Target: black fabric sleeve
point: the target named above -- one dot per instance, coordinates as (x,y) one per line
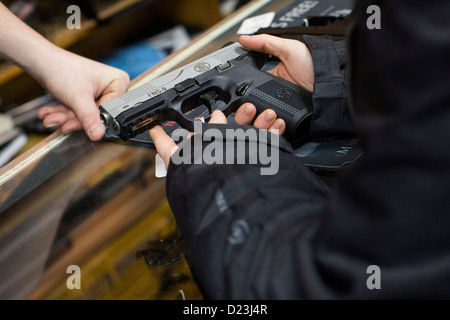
(286,236)
(240,225)
(331,115)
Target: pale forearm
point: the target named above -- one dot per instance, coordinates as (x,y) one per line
(24,46)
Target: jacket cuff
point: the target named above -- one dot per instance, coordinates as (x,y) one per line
(331,114)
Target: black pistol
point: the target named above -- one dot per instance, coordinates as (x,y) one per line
(224,87)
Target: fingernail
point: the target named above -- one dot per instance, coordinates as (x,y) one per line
(269,116)
(51,126)
(248,110)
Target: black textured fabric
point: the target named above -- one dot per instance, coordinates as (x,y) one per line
(299,240)
(330,107)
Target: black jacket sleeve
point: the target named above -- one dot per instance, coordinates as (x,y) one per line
(331,115)
(287,236)
(239,225)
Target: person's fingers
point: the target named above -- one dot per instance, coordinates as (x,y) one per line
(218,117)
(266,119)
(164,144)
(88,113)
(276,46)
(245,114)
(58,119)
(296,61)
(115,88)
(47,110)
(60,116)
(71,126)
(278,127)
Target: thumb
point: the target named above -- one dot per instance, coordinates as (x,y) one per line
(276,46)
(88,113)
(117,87)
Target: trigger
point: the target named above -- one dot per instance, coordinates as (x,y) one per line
(209,100)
